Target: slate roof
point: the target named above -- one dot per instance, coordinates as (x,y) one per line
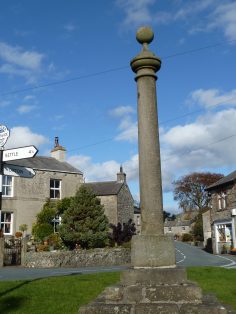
(227,179)
(105,188)
(45,163)
(174,223)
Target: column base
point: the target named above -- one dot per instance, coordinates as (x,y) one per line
(152,251)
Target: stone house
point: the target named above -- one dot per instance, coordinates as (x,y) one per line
(23,198)
(177,227)
(55,179)
(116,198)
(222,215)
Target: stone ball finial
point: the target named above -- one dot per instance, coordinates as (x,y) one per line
(144,35)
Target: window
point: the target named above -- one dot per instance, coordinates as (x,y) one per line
(138,221)
(222,201)
(6,222)
(55,189)
(7,186)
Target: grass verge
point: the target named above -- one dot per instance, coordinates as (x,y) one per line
(220,281)
(64,295)
(57,295)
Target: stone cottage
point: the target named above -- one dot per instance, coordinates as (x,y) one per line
(116,198)
(55,179)
(177,227)
(222,215)
(23,198)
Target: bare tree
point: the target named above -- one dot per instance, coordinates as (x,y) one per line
(190,190)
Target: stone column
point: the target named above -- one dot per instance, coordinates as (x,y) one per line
(152,248)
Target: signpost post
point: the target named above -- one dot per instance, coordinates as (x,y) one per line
(4,134)
(10,155)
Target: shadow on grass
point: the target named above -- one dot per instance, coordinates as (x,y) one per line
(8,304)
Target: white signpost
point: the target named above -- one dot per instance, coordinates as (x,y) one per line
(18,171)
(19,153)
(10,155)
(4,134)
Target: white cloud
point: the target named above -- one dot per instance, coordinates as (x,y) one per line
(23,136)
(70,27)
(121,110)
(213,97)
(129,133)
(127,126)
(206,144)
(224,17)
(136,11)
(16,55)
(26,108)
(105,171)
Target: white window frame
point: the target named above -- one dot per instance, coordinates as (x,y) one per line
(6,186)
(222,204)
(4,222)
(54,189)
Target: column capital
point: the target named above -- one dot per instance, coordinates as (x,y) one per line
(146,63)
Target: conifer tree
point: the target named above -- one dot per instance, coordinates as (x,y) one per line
(84,222)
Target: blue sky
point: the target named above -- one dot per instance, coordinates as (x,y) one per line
(85,47)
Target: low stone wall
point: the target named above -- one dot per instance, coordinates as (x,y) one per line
(77,258)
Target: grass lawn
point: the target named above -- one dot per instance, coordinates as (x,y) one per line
(64,295)
(220,281)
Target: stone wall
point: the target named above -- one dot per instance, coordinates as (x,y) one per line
(110,207)
(125,205)
(78,258)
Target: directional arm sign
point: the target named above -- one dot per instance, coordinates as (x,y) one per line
(18,171)
(19,153)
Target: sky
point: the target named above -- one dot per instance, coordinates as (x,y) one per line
(65,71)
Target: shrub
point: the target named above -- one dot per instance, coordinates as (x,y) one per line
(84,222)
(121,234)
(187,237)
(23,228)
(42,231)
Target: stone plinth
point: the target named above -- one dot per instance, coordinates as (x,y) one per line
(153,291)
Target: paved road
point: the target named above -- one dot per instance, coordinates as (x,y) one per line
(21,273)
(186,255)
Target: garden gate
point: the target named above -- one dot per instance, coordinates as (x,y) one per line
(12,251)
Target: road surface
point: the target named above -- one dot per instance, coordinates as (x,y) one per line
(186,255)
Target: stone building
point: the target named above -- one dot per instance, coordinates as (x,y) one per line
(23,198)
(55,179)
(222,214)
(116,198)
(177,227)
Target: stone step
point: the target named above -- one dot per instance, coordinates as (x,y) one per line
(166,308)
(152,294)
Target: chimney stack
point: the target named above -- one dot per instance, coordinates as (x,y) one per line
(58,152)
(121,176)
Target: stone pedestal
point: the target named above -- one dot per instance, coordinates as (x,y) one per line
(153,291)
(152,251)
